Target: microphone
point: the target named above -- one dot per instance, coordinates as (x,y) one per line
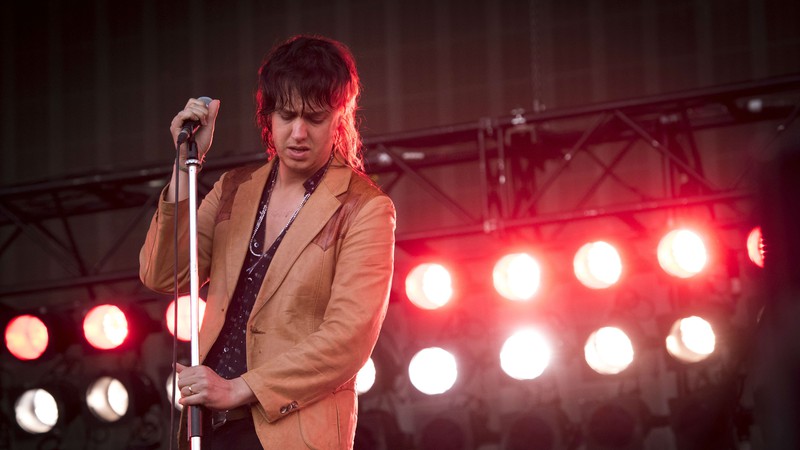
(190,126)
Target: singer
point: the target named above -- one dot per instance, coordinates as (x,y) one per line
(298,253)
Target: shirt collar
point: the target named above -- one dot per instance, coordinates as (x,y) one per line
(312,183)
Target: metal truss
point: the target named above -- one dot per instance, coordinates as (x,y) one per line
(518,158)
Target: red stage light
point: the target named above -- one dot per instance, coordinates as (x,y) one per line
(429,286)
(682,253)
(105,327)
(755,247)
(26,337)
(184,317)
(597,265)
(517,276)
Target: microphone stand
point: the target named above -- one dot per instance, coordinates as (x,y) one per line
(195,415)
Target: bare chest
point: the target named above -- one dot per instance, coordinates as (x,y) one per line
(281,210)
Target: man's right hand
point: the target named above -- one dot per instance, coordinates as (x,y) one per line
(207,116)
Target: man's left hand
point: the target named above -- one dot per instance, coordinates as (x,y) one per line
(199,385)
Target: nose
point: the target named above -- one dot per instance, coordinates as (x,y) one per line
(299,130)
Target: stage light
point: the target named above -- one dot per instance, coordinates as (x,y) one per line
(26,337)
(122,395)
(525,355)
(682,253)
(169,386)
(36,411)
(184,317)
(517,276)
(755,247)
(691,339)
(609,351)
(105,327)
(597,265)
(365,378)
(107,399)
(433,370)
(429,286)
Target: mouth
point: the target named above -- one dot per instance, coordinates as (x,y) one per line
(297,151)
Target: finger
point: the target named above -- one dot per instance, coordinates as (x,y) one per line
(179,367)
(181,118)
(194,102)
(195,105)
(200,110)
(190,395)
(190,400)
(196,113)
(213,110)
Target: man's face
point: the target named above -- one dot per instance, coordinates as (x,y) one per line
(303,137)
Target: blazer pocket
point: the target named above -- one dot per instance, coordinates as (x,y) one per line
(319,424)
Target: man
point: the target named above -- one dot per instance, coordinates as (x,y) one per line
(298,254)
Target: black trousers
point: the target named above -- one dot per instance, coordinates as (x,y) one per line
(236,435)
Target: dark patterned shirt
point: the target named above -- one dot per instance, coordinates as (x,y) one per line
(228,357)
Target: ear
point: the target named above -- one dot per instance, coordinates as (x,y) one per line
(337,129)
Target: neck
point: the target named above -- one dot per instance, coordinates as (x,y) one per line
(291,189)
(290,179)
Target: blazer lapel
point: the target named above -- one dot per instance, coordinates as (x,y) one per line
(317,211)
(245,207)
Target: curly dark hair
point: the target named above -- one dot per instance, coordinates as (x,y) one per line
(322,72)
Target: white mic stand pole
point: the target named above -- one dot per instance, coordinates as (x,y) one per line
(195,417)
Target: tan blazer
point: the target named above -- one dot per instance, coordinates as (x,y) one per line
(318,313)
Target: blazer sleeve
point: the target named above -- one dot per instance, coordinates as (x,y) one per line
(329,357)
(157,255)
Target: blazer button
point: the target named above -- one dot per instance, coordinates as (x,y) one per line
(285,409)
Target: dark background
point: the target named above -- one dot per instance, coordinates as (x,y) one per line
(92,85)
